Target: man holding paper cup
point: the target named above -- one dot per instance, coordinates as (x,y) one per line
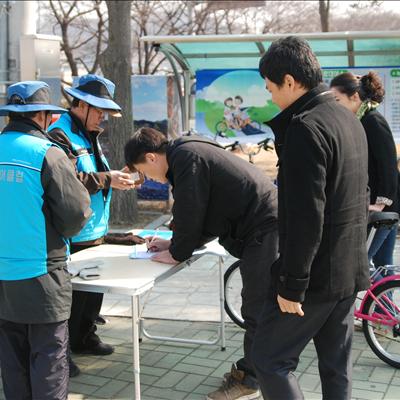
(77,133)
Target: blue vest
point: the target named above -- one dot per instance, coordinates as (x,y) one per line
(23,245)
(97,226)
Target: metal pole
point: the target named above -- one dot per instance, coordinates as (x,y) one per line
(135,345)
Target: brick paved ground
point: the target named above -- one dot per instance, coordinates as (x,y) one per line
(178,371)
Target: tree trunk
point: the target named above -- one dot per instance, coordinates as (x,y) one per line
(115,63)
(324,14)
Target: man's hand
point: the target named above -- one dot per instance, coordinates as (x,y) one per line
(157,244)
(121,180)
(376,207)
(291,307)
(164,257)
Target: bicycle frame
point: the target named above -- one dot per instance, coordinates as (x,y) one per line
(389,320)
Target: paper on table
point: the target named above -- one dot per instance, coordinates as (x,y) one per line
(140,252)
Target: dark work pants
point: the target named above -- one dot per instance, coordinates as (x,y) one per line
(33,360)
(255,269)
(84,311)
(281,337)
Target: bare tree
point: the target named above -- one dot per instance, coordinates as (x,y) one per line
(115,62)
(81,25)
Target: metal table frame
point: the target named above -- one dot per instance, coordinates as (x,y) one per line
(137,321)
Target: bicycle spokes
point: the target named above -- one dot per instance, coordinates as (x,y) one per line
(381,321)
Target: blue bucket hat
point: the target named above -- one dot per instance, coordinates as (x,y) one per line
(96,91)
(29,96)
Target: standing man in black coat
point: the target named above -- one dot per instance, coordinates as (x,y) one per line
(322,209)
(216,194)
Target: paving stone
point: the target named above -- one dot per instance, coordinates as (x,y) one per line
(89,379)
(152,358)
(203,353)
(182,349)
(194,396)
(170,360)
(153,370)
(81,388)
(309,382)
(222,369)
(393,393)
(204,389)
(189,383)
(110,389)
(170,379)
(194,369)
(166,394)
(382,375)
(144,378)
(115,369)
(201,361)
(367,394)
(372,386)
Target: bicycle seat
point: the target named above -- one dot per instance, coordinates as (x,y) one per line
(383,218)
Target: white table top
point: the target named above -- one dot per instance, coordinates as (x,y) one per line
(122,275)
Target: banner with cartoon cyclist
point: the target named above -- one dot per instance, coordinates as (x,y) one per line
(233,104)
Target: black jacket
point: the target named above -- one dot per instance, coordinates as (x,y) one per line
(382,159)
(216,194)
(322,199)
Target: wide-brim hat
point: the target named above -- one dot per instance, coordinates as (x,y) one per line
(29,96)
(96,91)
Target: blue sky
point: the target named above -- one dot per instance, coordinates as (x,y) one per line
(149,97)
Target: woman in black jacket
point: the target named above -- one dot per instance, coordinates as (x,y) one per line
(362,95)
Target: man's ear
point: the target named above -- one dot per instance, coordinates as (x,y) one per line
(289,81)
(150,157)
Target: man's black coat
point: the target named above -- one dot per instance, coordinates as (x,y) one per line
(322,199)
(216,194)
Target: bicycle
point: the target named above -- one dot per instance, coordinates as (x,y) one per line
(379,309)
(251,149)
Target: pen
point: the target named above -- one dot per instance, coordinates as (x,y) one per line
(152,239)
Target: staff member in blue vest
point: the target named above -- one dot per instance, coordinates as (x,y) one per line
(77,132)
(43,204)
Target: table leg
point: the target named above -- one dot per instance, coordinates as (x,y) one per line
(222,301)
(135,345)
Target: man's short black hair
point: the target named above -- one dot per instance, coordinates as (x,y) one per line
(15,116)
(75,102)
(239,98)
(145,140)
(291,55)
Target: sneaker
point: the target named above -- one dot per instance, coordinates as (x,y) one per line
(233,388)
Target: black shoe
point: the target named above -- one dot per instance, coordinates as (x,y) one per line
(100,320)
(97,349)
(73,369)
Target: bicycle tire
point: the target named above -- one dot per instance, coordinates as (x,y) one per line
(229,308)
(221,127)
(371,332)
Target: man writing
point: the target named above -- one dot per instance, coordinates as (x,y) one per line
(216,194)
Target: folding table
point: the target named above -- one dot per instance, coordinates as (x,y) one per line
(132,277)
